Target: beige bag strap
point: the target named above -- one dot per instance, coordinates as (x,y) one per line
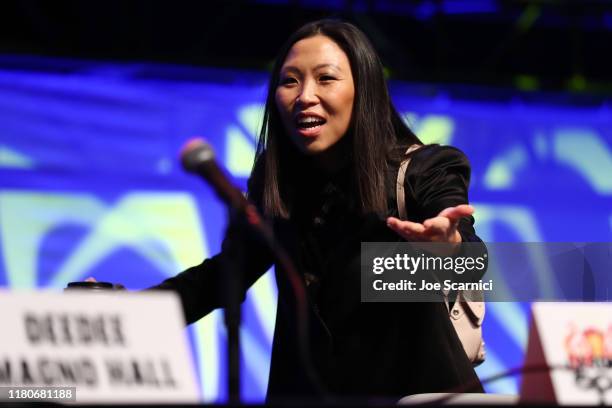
(399,188)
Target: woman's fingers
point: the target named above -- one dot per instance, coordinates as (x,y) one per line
(457,212)
(437,224)
(437,229)
(409,229)
(406,229)
(441,229)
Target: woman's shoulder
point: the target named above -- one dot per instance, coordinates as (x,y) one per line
(433,155)
(431,162)
(437,177)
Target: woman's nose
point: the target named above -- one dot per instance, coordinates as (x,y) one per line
(308,94)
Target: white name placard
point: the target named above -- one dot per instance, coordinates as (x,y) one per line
(576,338)
(112,347)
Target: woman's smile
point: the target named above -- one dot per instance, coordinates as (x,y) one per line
(309,124)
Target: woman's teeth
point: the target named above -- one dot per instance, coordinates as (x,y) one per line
(306,123)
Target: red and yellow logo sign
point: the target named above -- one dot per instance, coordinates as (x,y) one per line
(589,347)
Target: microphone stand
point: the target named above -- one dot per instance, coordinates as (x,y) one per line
(233,265)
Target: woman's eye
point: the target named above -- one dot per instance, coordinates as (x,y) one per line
(288,81)
(326,78)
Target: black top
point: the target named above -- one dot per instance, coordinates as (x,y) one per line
(359,349)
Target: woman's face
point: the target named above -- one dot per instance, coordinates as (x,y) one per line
(315,94)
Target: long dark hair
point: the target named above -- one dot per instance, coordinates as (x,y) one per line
(377,133)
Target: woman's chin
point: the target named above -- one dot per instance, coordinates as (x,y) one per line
(322,143)
(313,147)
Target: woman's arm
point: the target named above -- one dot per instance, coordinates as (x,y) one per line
(436,188)
(436,196)
(200,287)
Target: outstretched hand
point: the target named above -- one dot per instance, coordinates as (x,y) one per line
(441,228)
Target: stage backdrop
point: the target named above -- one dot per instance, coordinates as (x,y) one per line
(90,184)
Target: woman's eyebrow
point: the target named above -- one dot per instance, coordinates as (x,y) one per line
(289,68)
(292,68)
(327,65)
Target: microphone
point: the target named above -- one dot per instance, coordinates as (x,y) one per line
(198,157)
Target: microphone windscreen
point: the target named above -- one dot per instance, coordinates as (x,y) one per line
(195,153)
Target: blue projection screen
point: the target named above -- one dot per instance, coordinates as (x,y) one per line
(91,186)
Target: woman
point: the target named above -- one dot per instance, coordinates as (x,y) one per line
(324,172)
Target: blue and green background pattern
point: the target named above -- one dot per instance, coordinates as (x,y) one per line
(90,183)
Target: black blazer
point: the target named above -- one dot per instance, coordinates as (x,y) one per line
(358,349)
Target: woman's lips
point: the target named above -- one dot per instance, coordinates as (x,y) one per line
(311,131)
(303,123)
